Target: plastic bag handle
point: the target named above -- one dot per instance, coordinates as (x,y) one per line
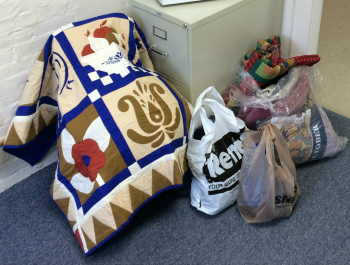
(282,148)
(207,124)
(269,151)
(196,111)
(209,93)
(260,149)
(212,99)
(277,135)
(221,112)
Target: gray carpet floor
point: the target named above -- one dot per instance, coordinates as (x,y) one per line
(168,230)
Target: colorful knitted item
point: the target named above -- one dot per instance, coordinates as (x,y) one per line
(264,63)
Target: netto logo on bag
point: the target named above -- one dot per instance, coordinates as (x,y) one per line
(285,199)
(223,163)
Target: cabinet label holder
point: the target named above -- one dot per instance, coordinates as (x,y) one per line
(160,33)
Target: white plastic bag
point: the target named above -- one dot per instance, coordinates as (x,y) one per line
(215,158)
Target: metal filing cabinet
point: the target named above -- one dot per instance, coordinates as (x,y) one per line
(200,44)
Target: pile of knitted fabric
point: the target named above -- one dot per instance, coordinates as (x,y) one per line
(267,89)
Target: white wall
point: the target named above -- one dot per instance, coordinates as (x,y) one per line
(287,28)
(306,27)
(300,27)
(25,26)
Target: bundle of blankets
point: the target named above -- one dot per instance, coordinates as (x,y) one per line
(268,89)
(121,130)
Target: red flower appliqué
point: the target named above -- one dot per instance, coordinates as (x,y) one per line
(87,156)
(89,159)
(103,32)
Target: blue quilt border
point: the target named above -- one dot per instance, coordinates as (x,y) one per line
(83,22)
(48,134)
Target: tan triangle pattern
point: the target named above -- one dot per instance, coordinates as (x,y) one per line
(47,114)
(53,120)
(71,212)
(22,129)
(31,133)
(58,193)
(102,231)
(120,215)
(88,242)
(159,182)
(177,174)
(166,169)
(137,197)
(72,223)
(144,183)
(63,204)
(41,123)
(185,165)
(41,57)
(13,138)
(36,123)
(122,199)
(89,228)
(105,216)
(28,104)
(183,162)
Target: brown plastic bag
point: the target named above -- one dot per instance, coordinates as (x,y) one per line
(267,186)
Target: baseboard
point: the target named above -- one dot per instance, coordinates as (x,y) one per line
(14,170)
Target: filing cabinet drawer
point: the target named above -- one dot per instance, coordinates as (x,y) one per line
(165,38)
(179,87)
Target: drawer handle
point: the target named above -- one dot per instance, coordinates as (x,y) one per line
(165,54)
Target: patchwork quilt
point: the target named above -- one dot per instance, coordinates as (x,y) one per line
(264,62)
(121,129)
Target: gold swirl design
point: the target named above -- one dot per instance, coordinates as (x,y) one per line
(149,100)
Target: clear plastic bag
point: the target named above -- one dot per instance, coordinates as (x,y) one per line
(286,97)
(309,134)
(290,105)
(267,187)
